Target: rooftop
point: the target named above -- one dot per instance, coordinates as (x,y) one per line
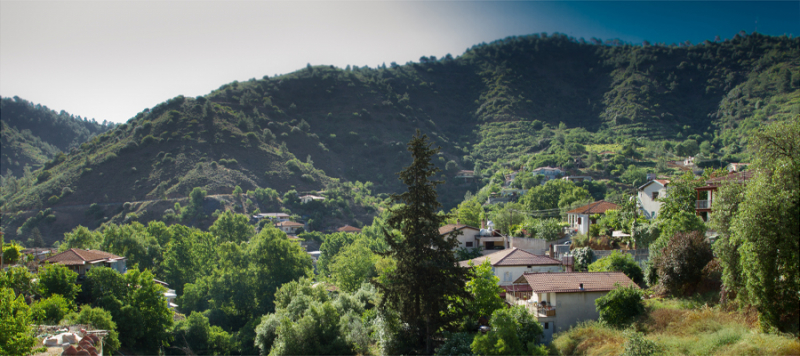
(348,228)
(570,282)
(76,256)
(598,207)
(455,227)
(289,224)
(512,257)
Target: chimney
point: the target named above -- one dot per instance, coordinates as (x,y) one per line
(483,224)
(458,221)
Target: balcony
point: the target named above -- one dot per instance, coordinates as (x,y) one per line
(703,204)
(537,309)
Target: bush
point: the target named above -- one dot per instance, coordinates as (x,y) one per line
(619,262)
(51,310)
(11,253)
(680,264)
(620,306)
(98,318)
(456,344)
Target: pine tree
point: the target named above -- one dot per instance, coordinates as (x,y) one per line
(427,278)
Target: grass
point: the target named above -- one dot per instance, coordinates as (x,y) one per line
(682,327)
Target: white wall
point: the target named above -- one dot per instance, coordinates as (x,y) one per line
(468,235)
(646,197)
(583,226)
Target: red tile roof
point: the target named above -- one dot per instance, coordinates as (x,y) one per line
(663,182)
(569,282)
(512,257)
(598,207)
(76,256)
(348,228)
(455,227)
(288,224)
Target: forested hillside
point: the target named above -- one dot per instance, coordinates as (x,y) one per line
(530,100)
(33,134)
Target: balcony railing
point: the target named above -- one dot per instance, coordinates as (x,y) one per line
(703,204)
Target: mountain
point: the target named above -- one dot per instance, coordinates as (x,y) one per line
(33,134)
(529,100)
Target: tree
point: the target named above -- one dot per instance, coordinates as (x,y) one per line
(620,306)
(485,291)
(316,333)
(51,310)
(583,257)
(354,265)
(421,251)
(134,242)
(58,279)
(727,200)
(555,193)
(767,227)
(469,213)
(100,319)
(19,279)
(16,334)
(82,238)
(202,338)
(11,253)
(680,264)
(232,227)
(619,262)
(510,215)
(514,331)
(330,248)
(146,330)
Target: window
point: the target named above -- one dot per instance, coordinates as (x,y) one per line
(655,195)
(546,325)
(579,220)
(507,277)
(469,243)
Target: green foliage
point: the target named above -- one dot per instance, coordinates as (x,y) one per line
(637,345)
(485,291)
(767,228)
(547,229)
(99,319)
(134,242)
(232,227)
(619,262)
(353,265)
(469,213)
(330,248)
(513,331)
(554,194)
(19,280)
(51,310)
(316,333)
(421,250)
(11,253)
(16,333)
(680,264)
(58,279)
(620,306)
(459,344)
(197,334)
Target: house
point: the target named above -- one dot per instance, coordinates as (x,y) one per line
(39,253)
(169,294)
(472,237)
(272,216)
(562,300)
(577,179)
(467,176)
(703,206)
(510,264)
(579,218)
(289,227)
(549,173)
(505,195)
(648,195)
(736,167)
(309,198)
(348,229)
(82,261)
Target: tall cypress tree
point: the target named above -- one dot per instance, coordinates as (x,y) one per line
(427,278)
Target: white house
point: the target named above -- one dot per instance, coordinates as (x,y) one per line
(736,167)
(309,198)
(81,261)
(289,227)
(649,193)
(510,264)
(562,300)
(549,173)
(580,218)
(472,237)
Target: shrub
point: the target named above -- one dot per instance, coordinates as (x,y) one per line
(680,264)
(294,165)
(620,306)
(637,345)
(456,344)
(11,253)
(619,262)
(51,310)
(53,199)
(43,176)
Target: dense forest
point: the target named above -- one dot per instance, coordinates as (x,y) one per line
(33,134)
(590,107)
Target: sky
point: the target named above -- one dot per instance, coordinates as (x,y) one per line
(108,60)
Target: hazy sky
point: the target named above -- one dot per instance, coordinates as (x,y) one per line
(109,60)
